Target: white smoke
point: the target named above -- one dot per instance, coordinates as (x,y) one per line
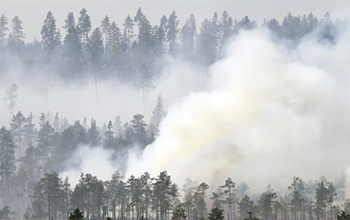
(94,160)
(41,91)
(271,113)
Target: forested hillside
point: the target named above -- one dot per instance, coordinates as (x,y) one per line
(36,149)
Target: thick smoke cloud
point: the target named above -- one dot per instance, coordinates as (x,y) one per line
(271,112)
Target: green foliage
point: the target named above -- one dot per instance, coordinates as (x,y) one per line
(50,35)
(216,214)
(251,216)
(343,216)
(76,215)
(5,213)
(179,213)
(245,206)
(7,162)
(95,50)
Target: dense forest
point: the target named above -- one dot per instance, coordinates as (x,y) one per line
(33,155)
(134,51)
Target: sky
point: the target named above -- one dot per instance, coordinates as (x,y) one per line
(33,13)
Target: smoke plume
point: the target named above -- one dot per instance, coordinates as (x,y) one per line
(271,112)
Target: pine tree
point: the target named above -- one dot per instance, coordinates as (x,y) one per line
(31,165)
(172,33)
(73,54)
(188,37)
(52,190)
(11,97)
(7,162)
(125,60)
(242,190)
(179,213)
(84,28)
(274,26)
(321,200)
(17,131)
(76,215)
(206,48)
(110,141)
(199,200)
(229,191)
(112,187)
(95,51)
(17,36)
(49,35)
(105,29)
(158,114)
(114,43)
(5,213)
(245,206)
(93,134)
(139,128)
(56,122)
(216,198)
(245,23)
(39,210)
(216,214)
(189,188)
(343,216)
(118,127)
(162,195)
(226,26)
(331,192)
(89,194)
(128,32)
(265,202)
(297,188)
(215,28)
(160,37)
(144,54)
(66,197)
(29,131)
(3,30)
(45,146)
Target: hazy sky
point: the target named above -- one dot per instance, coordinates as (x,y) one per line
(33,12)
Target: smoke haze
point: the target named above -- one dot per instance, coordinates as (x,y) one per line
(271,112)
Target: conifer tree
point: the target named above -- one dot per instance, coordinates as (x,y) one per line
(11,97)
(95,51)
(76,215)
(7,162)
(73,53)
(110,141)
(188,38)
(3,30)
(17,36)
(179,213)
(93,134)
(49,35)
(18,132)
(216,214)
(172,33)
(84,28)
(139,128)
(105,29)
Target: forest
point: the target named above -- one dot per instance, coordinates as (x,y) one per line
(135,52)
(35,151)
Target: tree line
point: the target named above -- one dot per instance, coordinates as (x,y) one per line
(29,150)
(133,51)
(32,156)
